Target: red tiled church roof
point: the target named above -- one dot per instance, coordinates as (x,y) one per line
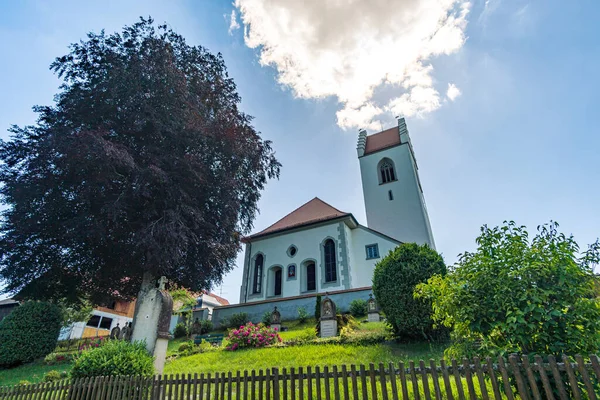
(314,211)
(382,140)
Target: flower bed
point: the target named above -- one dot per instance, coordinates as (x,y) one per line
(251,335)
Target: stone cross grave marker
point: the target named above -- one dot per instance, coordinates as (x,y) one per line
(328,318)
(373,309)
(276,320)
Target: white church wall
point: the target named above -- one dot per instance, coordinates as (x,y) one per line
(404,218)
(361,267)
(275,252)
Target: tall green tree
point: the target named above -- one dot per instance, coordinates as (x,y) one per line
(516,294)
(144,164)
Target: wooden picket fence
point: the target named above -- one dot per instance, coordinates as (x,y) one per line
(516,378)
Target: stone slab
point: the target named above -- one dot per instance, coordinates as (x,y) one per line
(328,328)
(373,317)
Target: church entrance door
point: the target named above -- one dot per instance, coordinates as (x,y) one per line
(278,275)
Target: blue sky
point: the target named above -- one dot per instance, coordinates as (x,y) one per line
(519,140)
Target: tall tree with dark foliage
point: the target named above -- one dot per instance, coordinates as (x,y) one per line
(145,165)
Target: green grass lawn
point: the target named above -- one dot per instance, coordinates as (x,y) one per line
(33,372)
(283,357)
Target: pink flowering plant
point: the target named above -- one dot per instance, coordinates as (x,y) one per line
(251,335)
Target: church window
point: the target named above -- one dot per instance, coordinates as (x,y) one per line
(311,277)
(372,251)
(94,321)
(277,288)
(292,250)
(105,323)
(390,195)
(330,261)
(258,266)
(386,171)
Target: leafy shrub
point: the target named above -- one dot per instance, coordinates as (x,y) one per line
(521,295)
(266,318)
(52,376)
(394,281)
(57,358)
(237,320)
(358,308)
(205,326)
(24,382)
(92,344)
(251,335)
(363,338)
(180,331)
(346,321)
(183,347)
(318,308)
(115,357)
(29,332)
(302,315)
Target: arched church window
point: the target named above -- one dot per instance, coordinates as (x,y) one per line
(330,261)
(386,171)
(258,266)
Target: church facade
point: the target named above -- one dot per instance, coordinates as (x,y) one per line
(318,249)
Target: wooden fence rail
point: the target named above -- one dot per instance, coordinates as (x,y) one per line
(515,378)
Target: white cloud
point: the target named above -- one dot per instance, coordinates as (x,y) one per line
(233,23)
(350,48)
(453,92)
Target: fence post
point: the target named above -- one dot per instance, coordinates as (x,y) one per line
(539,363)
(492,375)
(519,378)
(572,378)
(275,384)
(434,378)
(354,382)
(480,378)
(586,377)
(469,376)
(393,381)
(415,382)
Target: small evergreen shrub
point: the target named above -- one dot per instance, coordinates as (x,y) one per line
(183,347)
(180,331)
(237,320)
(358,308)
(205,326)
(266,318)
(52,376)
(318,308)
(29,332)
(57,358)
(251,335)
(302,315)
(115,357)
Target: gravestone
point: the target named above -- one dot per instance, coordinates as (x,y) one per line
(276,320)
(153,318)
(115,333)
(373,309)
(328,318)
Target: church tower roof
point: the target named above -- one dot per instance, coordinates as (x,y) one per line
(309,213)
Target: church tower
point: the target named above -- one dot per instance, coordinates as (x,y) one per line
(392,190)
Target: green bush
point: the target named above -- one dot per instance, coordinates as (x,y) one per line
(57,358)
(205,326)
(180,331)
(358,308)
(183,347)
(29,332)
(237,320)
(52,376)
(115,357)
(394,281)
(517,294)
(266,318)
(302,315)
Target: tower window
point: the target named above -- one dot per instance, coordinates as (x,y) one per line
(330,261)
(372,251)
(390,195)
(386,171)
(258,266)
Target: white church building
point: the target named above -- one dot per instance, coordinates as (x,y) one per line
(318,249)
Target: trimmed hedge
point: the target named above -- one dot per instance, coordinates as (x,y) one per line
(115,357)
(29,332)
(394,281)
